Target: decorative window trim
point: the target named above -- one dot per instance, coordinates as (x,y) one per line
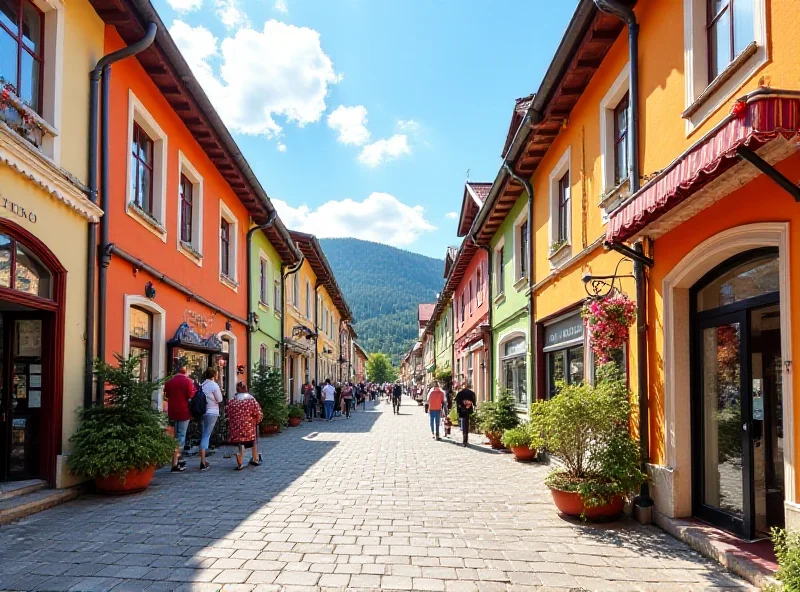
(232,359)
(564,252)
(262,256)
(155,224)
(703,96)
(608,104)
(226,214)
(498,248)
(159,351)
(502,339)
(479,285)
(193,250)
(517,257)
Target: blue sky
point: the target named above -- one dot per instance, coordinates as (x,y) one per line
(362,117)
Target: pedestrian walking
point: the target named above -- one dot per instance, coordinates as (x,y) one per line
(397,393)
(435,402)
(329,394)
(213,396)
(178,391)
(347,398)
(465,404)
(308,399)
(244,415)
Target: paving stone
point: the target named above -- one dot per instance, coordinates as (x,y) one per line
(345,510)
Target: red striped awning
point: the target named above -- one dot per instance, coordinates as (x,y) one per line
(754,121)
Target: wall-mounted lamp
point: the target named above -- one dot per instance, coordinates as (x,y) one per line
(252,322)
(150,290)
(600,286)
(228,325)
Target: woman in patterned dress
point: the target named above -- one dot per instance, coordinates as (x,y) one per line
(244,415)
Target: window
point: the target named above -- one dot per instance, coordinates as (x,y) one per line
(23,271)
(277,295)
(225,247)
(621,141)
(190,210)
(470,297)
(141,340)
(262,358)
(730,29)
(479,285)
(277,360)
(565,365)
(618,356)
(296,291)
(514,369)
(469,370)
(186,190)
(563,209)
(523,250)
(263,283)
(21,49)
(308,299)
(501,272)
(142,152)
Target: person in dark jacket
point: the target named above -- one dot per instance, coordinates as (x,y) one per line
(465,405)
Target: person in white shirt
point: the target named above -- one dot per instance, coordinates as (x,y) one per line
(213,398)
(329,394)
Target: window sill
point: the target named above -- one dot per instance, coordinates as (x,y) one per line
(720,80)
(262,306)
(277,314)
(560,256)
(190,253)
(146,220)
(521,283)
(612,198)
(499,299)
(25,122)
(230,282)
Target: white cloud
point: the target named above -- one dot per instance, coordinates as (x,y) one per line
(185,5)
(380,217)
(230,13)
(280,70)
(452,215)
(280,6)
(281,147)
(408,125)
(351,123)
(384,150)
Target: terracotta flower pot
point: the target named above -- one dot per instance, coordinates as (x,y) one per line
(268,430)
(571,504)
(496,440)
(523,453)
(294,422)
(134,481)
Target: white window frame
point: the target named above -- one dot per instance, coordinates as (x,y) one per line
(520,281)
(139,114)
(194,251)
(561,168)
(308,300)
(296,292)
(53,77)
(226,214)
(479,285)
(498,260)
(612,193)
(277,289)
(159,338)
(263,257)
(232,359)
(704,96)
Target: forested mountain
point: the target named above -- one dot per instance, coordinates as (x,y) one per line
(383,286)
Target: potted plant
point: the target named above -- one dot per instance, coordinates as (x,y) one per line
(495,417)
(523,442)
(122,439)
(587,428)
(296,415)
(267,388)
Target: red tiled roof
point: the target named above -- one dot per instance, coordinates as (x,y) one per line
(481,190)
(425,312)
(521,107)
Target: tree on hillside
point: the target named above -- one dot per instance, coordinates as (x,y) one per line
(380,369)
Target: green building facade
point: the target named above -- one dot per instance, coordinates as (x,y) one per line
(265,301)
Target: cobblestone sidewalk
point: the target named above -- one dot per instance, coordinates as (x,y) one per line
(366,503)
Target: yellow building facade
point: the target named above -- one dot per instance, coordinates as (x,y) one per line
(300,336)
(45,217)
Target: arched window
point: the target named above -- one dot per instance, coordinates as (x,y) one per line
(141,340)
(263,355)
(23,271)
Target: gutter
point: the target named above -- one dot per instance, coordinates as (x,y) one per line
(250,312)
(643,503)
(102,71)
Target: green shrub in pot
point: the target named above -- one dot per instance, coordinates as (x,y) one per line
(588,428)
(522,437)
(124,432)
(296,412)
(267,389)
(499,415)
(787,550)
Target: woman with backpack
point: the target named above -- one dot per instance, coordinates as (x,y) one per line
(213,396)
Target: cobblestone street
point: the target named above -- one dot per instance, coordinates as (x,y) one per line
(367,503)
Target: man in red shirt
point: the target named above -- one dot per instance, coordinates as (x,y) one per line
(178,391)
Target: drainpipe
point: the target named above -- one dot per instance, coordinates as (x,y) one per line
(643,502)
(531,321)
(103,71)
(286,272)
(316,331)
(250,311)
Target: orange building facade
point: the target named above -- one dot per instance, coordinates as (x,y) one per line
(713,208)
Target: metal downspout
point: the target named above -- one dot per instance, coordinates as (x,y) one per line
(103,70)
(626,13)
(531,320)
(316,332)
(250,311)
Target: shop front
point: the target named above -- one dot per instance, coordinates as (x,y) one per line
(512,361)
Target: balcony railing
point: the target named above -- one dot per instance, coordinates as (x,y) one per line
(22,120)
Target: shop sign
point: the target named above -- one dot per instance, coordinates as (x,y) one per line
(565,331)
(18,210)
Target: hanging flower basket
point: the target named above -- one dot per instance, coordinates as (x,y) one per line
(608,320)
